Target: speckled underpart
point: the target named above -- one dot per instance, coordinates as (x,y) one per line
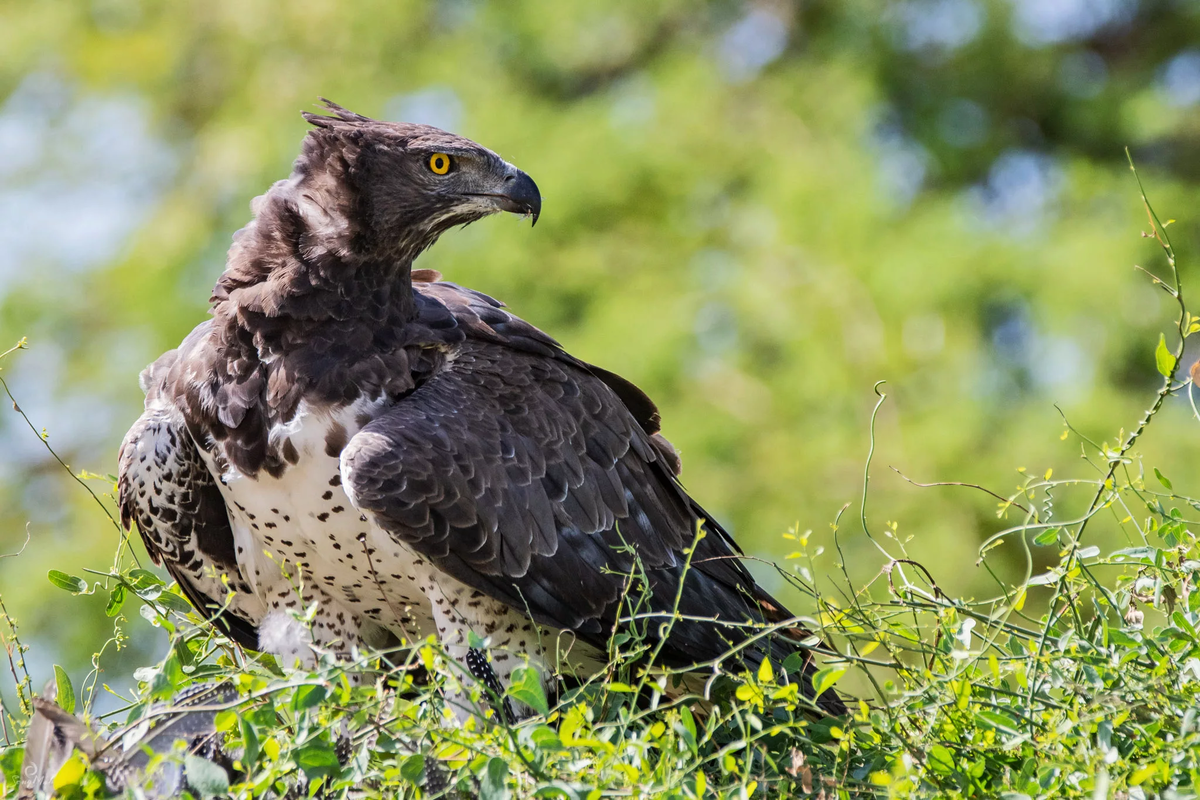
(300,540)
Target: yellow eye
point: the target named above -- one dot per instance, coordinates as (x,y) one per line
(439,163)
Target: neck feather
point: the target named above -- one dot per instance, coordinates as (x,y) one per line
(302,261)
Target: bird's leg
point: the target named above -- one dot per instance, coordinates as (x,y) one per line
(481,670)
(514,640)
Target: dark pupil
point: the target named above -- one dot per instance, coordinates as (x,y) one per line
(439,162)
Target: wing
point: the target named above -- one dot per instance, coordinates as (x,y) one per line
(165,487)
(526,476)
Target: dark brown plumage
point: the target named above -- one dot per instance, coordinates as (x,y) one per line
(425,462)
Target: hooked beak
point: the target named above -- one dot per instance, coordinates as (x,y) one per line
(518,195)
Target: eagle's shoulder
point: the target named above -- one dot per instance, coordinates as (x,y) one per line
(482,317)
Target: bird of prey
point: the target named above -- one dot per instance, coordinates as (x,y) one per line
(349,432)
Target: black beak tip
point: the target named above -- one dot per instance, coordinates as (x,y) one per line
(523,193)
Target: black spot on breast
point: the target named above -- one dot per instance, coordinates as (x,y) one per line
(324,515)
(289,452)
(336,480)
(335,440)
(337,509)
(327,496)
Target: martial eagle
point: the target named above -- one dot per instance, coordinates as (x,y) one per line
(413,457)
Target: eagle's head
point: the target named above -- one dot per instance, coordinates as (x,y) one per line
(405,184)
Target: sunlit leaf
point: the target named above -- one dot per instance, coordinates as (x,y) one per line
(64,691)
(68,582)
(1164,359)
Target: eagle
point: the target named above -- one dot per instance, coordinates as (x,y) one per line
(349,434)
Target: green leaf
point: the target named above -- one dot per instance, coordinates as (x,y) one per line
(1163,480)
(1163,358)
(116,600)
(941,760)
(205,777)
(173,602)
(68,582)
(65,692)
(412,769)
(307,697)
(525,685)
(1046,537)
(317,760)
(493,784)
(826,678)
(795,662)
(544,738)
(144,578)
(689,725)
(249,739)
(11,761)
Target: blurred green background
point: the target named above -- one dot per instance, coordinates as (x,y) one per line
(754,210)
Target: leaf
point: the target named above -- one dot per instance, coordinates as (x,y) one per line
(71,772)
(141,579)
(1145,554)
(1163,358)
(307,697)
(941,760)
(826,678)
(65,691)
(1046,537)
(249,739)
(1163,480)
(544,738)
(412,769)
(68,582)
(116,599)
(525,685)
(173,602)
(493,784)
(205,777)
(317,760)
(10,765)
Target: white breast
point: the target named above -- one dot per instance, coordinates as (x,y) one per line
(302,527)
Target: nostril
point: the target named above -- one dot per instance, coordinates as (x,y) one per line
(510,178)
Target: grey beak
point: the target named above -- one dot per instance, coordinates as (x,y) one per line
(521,195)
